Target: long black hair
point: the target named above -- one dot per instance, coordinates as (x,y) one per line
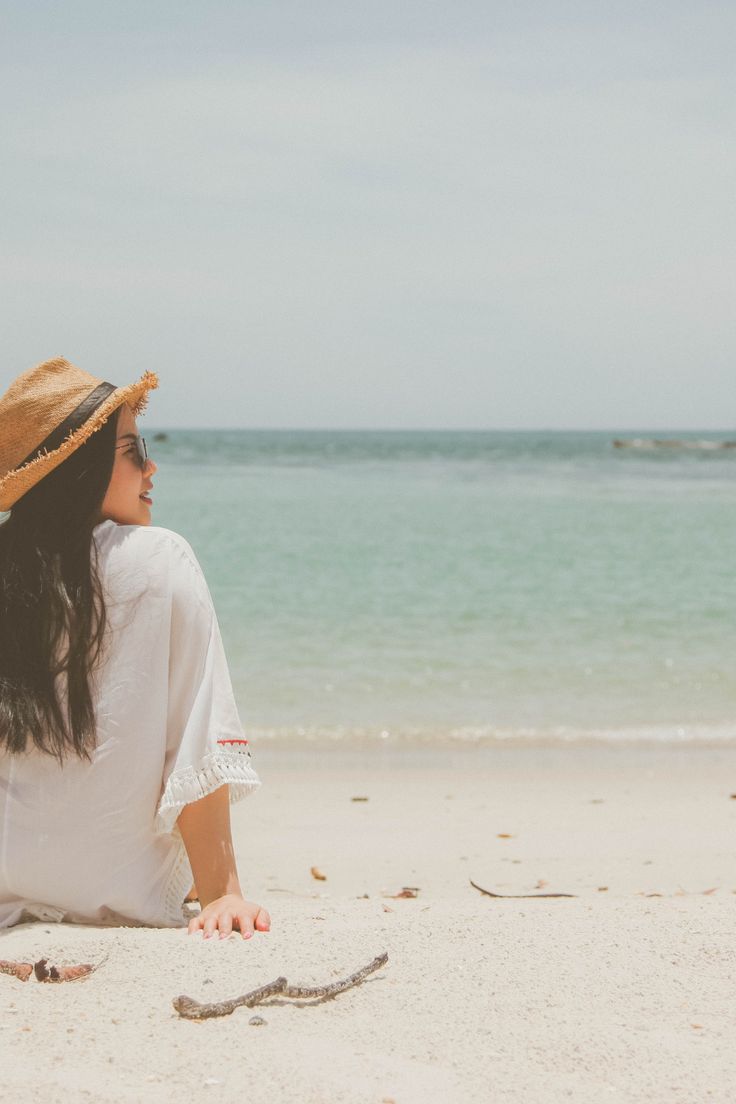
(52,611)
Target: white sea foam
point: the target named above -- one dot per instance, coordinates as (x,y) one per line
(486,735)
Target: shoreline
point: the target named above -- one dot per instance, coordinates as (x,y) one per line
(324,737)
(612,993)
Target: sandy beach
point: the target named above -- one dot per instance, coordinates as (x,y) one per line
(622,992)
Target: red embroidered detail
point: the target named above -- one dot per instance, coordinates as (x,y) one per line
(232,741)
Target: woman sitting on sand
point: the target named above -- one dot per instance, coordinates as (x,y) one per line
(120,742)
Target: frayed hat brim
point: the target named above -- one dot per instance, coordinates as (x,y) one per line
(20,480)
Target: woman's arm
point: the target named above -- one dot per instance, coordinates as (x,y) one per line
(205,829)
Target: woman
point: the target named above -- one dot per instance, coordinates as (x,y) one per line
(120,742)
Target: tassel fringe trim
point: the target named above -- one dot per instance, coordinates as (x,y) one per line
(219,768)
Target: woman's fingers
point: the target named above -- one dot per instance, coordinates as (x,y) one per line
(223,916)
(245,923)
(263,921)
(210,925)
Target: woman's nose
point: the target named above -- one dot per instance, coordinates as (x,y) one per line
(151,467)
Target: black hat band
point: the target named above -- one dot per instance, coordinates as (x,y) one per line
(77,418)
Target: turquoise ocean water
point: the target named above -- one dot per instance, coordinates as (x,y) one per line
(472,586)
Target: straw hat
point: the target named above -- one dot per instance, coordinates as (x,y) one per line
(50,411)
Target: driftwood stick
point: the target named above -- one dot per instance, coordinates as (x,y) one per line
(517,896)
(326,992)
(191,1009)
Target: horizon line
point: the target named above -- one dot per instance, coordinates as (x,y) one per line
(443,429)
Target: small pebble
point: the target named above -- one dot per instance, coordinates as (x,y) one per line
(257,1021)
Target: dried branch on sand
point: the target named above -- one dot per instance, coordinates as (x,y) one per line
(517,896)
(191,1009)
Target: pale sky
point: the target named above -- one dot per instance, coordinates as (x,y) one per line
(384,214)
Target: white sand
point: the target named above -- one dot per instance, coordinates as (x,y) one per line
(611,995)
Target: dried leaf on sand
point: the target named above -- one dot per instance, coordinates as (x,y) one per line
(20,970)
(44,972)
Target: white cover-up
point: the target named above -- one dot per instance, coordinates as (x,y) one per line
(96,842)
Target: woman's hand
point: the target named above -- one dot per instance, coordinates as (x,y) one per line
(229,913)
(205,829)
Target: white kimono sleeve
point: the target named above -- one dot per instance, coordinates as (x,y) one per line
(205,745)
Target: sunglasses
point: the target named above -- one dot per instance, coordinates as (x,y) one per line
(141,452)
